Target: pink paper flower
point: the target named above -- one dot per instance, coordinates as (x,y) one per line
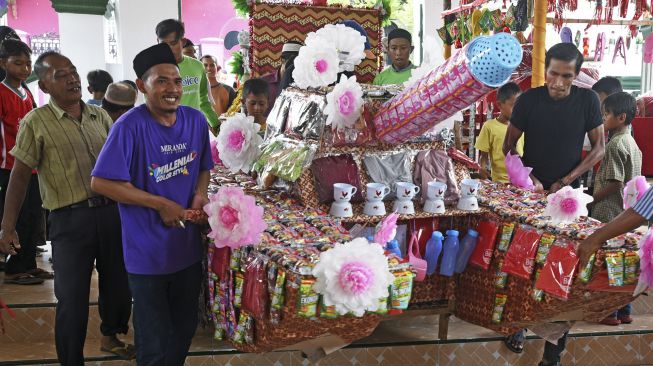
(567,205)
(238,143)
(214,152)
(518,174)
(235,219)
(344,104)
(634,190)
(386,229)
(353,277)
(646,259)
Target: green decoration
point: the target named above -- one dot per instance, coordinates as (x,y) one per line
(236,64)
(387,12)
(241,7)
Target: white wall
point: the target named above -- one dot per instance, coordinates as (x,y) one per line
(432,19)
(136,21)
(82,41)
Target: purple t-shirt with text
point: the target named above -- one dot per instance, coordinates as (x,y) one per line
(164,161)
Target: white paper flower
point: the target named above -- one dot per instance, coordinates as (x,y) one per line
(349,44)
(316,66)
(567,205)
(353,277)
(344,104)
(238,142)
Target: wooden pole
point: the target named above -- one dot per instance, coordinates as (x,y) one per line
(539,37)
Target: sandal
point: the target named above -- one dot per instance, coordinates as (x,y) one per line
(22,279)
(515,341)
(41,273)
(126,352)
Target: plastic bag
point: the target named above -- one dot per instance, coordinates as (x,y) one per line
(558,273)
(520,259)
(284,158)
(335,169)
(518,174)
(255,291)
(487,237)
(220,262)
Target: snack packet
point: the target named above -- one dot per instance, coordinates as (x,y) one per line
(520,259)
(307,298)
(545,245)
(615,262)
(501,277)
(559,270)
(400,290)
(506,234)
(631,264)
(585,274)
(499,305)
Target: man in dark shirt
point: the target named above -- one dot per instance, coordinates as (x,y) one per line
(554,119)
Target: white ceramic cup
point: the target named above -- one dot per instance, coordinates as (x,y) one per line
(435,190)
(469,187)
(341,209)
(434,206)
(343,192)
(374,208)
(406,191)
(403,207)
(377,191)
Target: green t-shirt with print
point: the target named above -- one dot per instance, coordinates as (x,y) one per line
(196,91)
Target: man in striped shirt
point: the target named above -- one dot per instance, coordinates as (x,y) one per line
(628,220)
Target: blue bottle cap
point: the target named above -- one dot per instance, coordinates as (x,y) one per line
(472,233)
(452,232)
(393,243)
(370,239)
(436,235)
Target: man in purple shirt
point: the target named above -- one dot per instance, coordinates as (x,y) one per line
(155,163)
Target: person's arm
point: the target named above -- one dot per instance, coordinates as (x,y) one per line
(625,222)
(200,199)
(18,181)
(513,134)
(124,192)
(205,103)
(484,162)
(595,155)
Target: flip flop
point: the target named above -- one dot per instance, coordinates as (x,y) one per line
(41,273)
(126,352)
(515,341)
(22,279)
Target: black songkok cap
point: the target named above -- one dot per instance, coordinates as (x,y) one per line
(400,33)
(152,56)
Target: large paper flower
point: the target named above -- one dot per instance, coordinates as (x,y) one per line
(646,259)
(567,205)
(349,44)
(316,66)
(386,229)
(634,190)
(234,218)
(518,174)
(344,104)
(353,277)
(215,155)
(238,143)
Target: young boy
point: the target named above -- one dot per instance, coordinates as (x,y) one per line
(255,100)
(490,139)
(622,162)
(98,82)
(15,102)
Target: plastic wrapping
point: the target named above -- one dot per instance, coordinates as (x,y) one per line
(487,236)
(283,158)
(559,270)
(388,169)
(255,292)
(306,119)
(335,169)
(520,259)
(276,119)
(362,133)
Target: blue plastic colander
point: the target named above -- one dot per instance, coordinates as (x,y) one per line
(492,59)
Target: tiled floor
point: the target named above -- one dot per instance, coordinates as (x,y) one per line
(403,342)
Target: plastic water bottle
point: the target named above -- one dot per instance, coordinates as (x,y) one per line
(370,239)
(393,247)
(450,252)
(433,249)
(467,246)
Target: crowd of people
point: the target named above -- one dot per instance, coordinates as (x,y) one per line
(115,177)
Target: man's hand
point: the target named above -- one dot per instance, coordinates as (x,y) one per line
(538,186)
(171,213)
(586,248)
(556,186)
(199,201)
(9,242)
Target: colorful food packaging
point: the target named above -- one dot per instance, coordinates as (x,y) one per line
(401,289)
(585,274)
(499,305)
(307,299)
(520,259)
(615,262)
(327,312)
(631,264)
(506,235)
(383,306)
(501,278)
(559,270)
(537,294)
(234,261)
(245,329)
(546,241)
(238,289)
(487,237)
(277,296)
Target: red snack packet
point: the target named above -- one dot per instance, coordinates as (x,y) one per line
(255,290)
(220,262)
(487,238)
(559,270)
(520,259)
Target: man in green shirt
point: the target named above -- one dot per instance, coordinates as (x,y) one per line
(193,76)
(400,46)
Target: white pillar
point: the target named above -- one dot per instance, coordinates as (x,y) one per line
(82,41)
(136,21)
(430,20)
